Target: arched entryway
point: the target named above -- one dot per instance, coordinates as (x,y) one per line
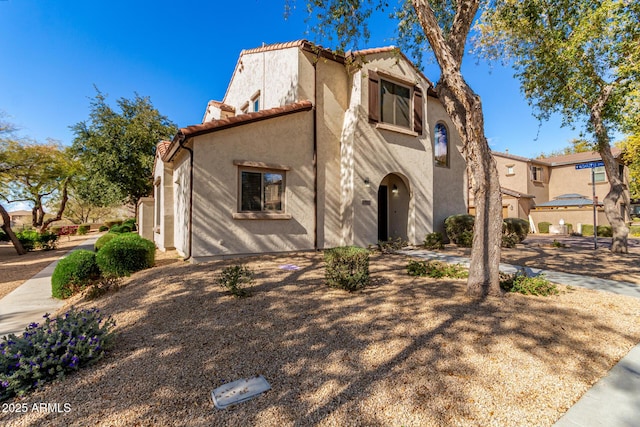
(393,208)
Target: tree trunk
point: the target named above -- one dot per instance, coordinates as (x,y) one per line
(465,109)
(613,201)
(63,204)
(6,227)
(617,195)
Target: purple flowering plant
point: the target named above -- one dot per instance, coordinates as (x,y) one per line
(48,351)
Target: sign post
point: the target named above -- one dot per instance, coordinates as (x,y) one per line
(593,166)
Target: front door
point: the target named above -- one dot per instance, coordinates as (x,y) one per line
(383,213)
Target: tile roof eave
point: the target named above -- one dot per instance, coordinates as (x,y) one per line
(216,125)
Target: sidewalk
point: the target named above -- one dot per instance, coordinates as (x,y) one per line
(31,300)
(614,401)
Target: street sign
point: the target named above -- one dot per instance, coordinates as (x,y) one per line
(590,165)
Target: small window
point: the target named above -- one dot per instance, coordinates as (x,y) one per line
(261,191)
(621,171)
(441,145)
(395,104)
(599,175)
(510,170)
(255,103)
(536,173)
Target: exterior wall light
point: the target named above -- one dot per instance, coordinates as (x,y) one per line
(367,183)
(394,190)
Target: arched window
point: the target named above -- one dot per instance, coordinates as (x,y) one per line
(441,145)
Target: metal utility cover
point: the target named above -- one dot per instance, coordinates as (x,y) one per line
(239,391)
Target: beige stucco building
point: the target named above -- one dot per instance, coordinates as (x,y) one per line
(309,150)
(556,189)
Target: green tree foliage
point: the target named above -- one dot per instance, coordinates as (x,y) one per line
(577,145)
(34,173)
(631,149)
(117,148)
(443,27)
(579,58)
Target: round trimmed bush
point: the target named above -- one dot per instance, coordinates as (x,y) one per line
(125,254)
(103,240)
(73,273)
(459,229)
(103,228)
(517,226)
(83,229)
(124,228)
(543,227)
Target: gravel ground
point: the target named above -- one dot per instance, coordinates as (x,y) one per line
(403,352)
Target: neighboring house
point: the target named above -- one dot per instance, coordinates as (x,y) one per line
(21,218)
(552,189)
(309,150)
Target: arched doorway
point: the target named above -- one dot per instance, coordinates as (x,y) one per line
(393,208)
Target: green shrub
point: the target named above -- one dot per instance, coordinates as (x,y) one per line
(558,244)
(48,351)
(347,267)
(103,228)
(634,230)
(74,273)
(124,228)
(605,231)
(113,222)
(28,238)
(434,241)
(103,240)
(48,240)
(587,230)
(459,229)
(84,229)
(131,222)
(391,245)
(3,236)
(543,227)
(510,240)
(436,269)
(521,283)
(233,278)
(569,227)
(125,254)
(516,226)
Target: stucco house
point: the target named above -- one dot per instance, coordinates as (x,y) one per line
(308,150)
(552,189)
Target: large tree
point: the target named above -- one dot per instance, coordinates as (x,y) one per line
(443,26)
(6,167)
(35,174)
(579,58)
(117,148)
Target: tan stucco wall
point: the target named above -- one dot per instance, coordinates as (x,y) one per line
(145,217)
(571,216)
(370,152)
(163,234)
(181,197)
(273,73)
(284,141)
(449,183)
(566,179)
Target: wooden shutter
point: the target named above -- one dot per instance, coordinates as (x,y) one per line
(374,97)
(417,110)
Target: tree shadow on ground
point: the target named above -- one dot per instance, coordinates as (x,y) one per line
(406,351)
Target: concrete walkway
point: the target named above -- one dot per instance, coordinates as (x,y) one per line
(31,300)
(614,401)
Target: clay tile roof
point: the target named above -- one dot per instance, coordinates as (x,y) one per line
(276,46)
(162,147)
(223,106)
(516,194)
(216,125)
(374,50)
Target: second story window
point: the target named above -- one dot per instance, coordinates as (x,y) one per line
(599,174)
(395,102)
(441,145)
(255,102)
(510,170)
(536,174)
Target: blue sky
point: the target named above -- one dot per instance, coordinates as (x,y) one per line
(182,54)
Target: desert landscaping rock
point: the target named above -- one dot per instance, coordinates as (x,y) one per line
(404,351)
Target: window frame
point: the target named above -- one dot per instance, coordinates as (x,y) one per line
(416,103)
(262,169)
(511,170)
(447,162)
(599,171)
(534,178)
(395,108)
(255,99)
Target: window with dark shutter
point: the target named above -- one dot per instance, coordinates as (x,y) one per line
(417,110)
(374,97)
